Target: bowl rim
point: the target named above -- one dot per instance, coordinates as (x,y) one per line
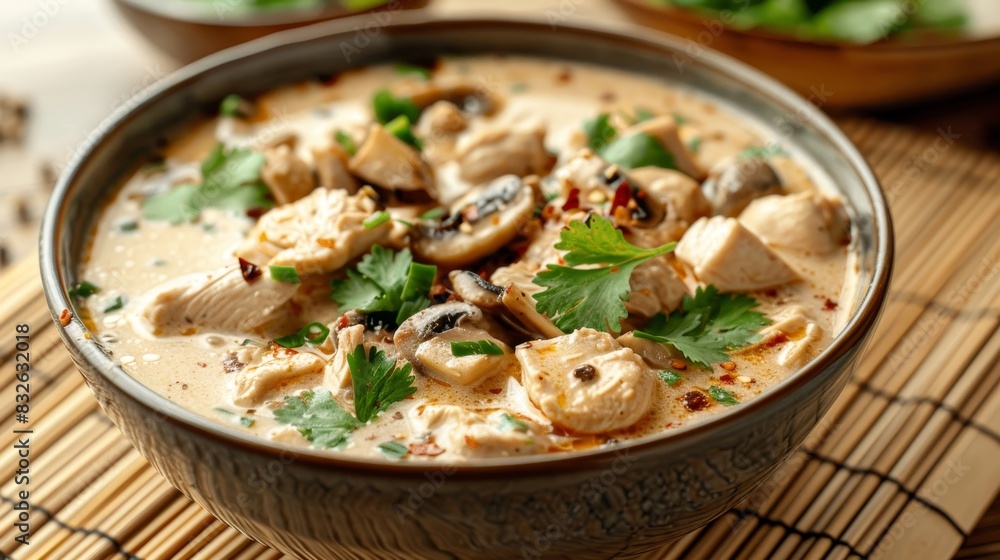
(690,18)
(78,341)
(196,13)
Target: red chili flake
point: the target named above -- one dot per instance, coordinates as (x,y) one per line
(256,212)
(249,270)
(728,379)
(471,214)
(572,200)
(232,364)
(343,322)
(780,338)
(771,293)
(829,304)
(622,195)
(678,364)
(296,307)
(496,391)
(65,317)
(202,364)
(564,76)
(695,401)
(608,97)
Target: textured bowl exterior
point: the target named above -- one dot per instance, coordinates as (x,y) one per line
(593,504)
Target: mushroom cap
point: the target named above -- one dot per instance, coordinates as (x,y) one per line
(472,288)
(738,183)
(478,225)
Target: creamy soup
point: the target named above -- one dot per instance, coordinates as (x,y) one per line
(489,256)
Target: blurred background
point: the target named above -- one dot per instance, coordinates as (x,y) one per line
(67,64)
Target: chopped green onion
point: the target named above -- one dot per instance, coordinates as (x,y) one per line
(115,305)
(346,142)
(508,422)
(694,144)
(83,289)
(394,449)
(400,128)
(233,105)
(475,348)
(130,225)
(518,87)
(377,219)
(434,213)
(679,118)
(670,377)
(722,396)
(644,115)
(413,69)
(765,152)
(387,107)
(286,274)
(313,333)
(245,421)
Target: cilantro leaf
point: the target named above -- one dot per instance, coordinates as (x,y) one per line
(475,348)
(599,132)
(575,298)
(708,326)
(115,305)
(245,421)
(317,417)
(230,181)
(722,396)
(638,150)
(83,289)
(386,281)
(670,377)
(378,383)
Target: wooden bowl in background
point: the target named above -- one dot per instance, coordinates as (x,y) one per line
(187,30)
(837,75)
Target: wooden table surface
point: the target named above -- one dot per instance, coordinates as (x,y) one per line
(74,61)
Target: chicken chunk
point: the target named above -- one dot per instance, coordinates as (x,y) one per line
(802,222)
(219,302)
(466,433)
(331,168)
(796,331)
(683,192)
(722,252)
(338,373)
(389,163)
(664,130)
(288,177)
(586,382)
(318,234)
(253,384)
(655,288)
(498,151)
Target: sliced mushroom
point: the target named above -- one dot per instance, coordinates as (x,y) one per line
(472,98)
(389,163)
(655,354)
(664,129)
(683,192)
(522,306)
(425,341)
(472,288)
(738,183)
(478,225)
(586,382)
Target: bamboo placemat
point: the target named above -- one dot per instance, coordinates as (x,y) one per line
(904,465)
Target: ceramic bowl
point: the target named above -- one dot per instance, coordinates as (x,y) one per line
(591,504)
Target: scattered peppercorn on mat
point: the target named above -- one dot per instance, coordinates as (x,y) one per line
(905,465)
